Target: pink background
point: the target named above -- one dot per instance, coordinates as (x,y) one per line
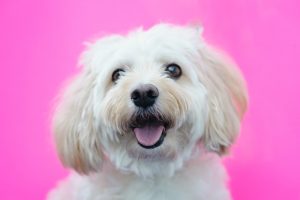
(39,45)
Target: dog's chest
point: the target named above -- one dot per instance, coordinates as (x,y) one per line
(202,180)
(158,190)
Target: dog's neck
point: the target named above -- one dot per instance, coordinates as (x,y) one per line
(197,174)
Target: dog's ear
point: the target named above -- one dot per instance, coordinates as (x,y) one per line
(227,99)
(76,133)
(76,138)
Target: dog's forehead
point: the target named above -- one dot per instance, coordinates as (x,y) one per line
(158,46)
(162,40)
(148,50)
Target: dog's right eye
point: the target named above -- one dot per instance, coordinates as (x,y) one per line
(116,74)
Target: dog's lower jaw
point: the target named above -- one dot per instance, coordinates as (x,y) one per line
(201,178)
(146,164)
(162,161)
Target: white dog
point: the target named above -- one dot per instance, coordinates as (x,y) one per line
(148,117)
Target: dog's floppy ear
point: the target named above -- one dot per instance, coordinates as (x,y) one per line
(227,99)
(76,139)
(76,136)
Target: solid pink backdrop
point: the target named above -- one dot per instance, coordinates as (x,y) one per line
(40,42)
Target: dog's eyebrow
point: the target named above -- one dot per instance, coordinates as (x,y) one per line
(123,65)
(126,65)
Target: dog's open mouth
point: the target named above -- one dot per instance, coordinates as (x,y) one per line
(149,131)
(150,136)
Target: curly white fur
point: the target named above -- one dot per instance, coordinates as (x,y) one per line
(203,107)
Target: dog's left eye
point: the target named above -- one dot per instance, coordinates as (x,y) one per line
(173,70)
(116,74)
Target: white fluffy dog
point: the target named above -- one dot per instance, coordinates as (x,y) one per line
(148,117)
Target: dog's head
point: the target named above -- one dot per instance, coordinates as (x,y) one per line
(145,101)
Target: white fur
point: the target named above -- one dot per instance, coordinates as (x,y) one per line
(204,106)
(202,178)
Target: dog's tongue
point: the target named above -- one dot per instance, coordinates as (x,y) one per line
(149,134)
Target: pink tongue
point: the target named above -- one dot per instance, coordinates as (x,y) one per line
(149,134)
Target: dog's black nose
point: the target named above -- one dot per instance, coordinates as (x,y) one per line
(145,95)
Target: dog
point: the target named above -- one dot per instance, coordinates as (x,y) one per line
(149,117)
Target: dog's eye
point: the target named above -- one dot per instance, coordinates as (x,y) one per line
(173,70)
(116,74)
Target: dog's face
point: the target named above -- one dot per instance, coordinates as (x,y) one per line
(147,101)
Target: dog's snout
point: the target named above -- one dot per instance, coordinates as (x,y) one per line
(145,95)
